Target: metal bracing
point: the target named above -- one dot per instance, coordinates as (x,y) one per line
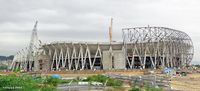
(75,57)
(144,47)
(97,55)
(80,57)
(25,58)
(165,47)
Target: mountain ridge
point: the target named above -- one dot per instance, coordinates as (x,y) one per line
(6,57)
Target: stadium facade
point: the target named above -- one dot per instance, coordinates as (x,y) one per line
(141,48)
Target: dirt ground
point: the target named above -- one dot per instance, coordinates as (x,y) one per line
(83,72)
(191,82)
(86,73)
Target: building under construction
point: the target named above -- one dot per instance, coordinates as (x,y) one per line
(140,48)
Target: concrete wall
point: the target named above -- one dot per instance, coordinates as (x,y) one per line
(119,59)
(114,60)
(107,60)
(43,62)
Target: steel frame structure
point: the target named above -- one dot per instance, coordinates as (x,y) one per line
(163,46)
(25,58)
(73,56)
(143,47)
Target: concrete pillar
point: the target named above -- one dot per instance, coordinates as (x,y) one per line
(107,60)
(119,59)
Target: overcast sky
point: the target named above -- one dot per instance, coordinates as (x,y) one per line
(88,20)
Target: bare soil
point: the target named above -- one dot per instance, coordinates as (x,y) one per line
(191,82)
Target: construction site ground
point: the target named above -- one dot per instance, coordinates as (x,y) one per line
(191,82)
(82,73)
(85,73)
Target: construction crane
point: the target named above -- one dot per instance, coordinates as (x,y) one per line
(110,30)
(110,40)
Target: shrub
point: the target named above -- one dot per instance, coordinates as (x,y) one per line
(16,69)
(13,82)
(104,79)
(52,81)
(112,82)
(23,83)
(64,81)
(135,89)
(47,88)
(3,67)
(147,87)
(151,88)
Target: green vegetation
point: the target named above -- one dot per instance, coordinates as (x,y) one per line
(197,65)
(146,87)
(135,88)
(55,81)
(16,70)
(3,67)
(24,83)
(37,83)
(105,80)
(151,88)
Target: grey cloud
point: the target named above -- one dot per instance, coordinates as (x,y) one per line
(87,20)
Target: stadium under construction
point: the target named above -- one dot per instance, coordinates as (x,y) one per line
(140,48)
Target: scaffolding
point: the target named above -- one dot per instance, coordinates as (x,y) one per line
(162,47)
